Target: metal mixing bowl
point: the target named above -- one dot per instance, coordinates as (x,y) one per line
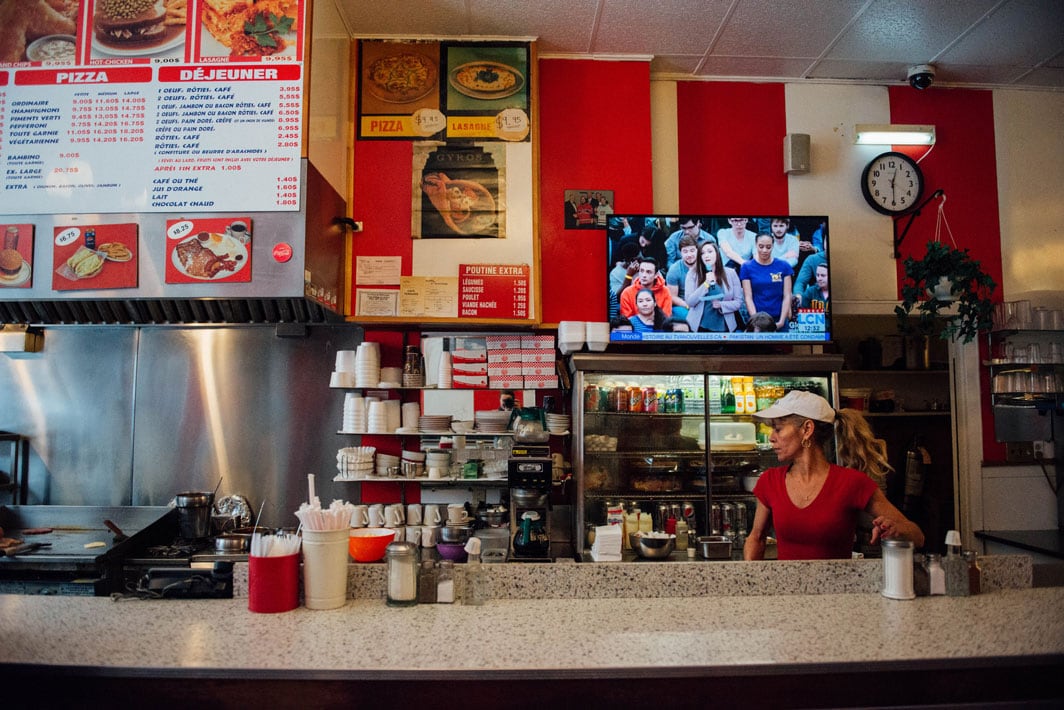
(455,533)
(652,548)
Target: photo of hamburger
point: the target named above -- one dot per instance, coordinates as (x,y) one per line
(139,24)
(14,271)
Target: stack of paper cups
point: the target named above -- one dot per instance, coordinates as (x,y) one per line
(411,412)
(345,361)
(354,413)
(377,418)
(394,413)
(368,365)
(444,379)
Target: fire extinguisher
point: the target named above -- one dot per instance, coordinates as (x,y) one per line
(917,459)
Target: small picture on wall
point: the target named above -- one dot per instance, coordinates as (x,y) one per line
(459,191)
(588,209)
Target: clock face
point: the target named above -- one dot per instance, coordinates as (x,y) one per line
(892,183)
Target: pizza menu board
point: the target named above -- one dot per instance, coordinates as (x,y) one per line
(150,105)
(444,90)
(493,290)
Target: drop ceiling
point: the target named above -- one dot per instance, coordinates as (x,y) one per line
(972,43)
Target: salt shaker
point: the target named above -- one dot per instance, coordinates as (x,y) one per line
(936,574)
(402,573)
(445,582)
(955,566)
(897,569)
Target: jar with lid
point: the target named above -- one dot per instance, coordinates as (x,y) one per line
(921,579)
(403,568)
(897,568)
(936,575)
(426,583)
(445,582)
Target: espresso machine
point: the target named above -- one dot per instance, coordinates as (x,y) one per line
(529,481)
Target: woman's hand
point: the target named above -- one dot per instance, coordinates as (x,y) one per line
(884,528)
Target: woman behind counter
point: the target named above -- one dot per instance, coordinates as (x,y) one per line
(812,504)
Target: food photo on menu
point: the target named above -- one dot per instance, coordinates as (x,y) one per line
(214,249)
(139,28)
(38,31)
(16,268)
(250,28)
(98,256)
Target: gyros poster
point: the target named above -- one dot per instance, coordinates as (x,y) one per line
(459,191)
(216,249)
(94,257)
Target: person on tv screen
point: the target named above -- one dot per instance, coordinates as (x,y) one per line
(652,244)
(807,271)
(785,244)
(714,291)
(676,277)
(767,283)
(737,242)
(645,276)
(648,316)
(690,226)
(816,296)
(761,323)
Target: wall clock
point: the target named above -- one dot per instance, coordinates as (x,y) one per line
(892,183)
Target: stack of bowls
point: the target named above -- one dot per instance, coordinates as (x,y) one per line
(558,423)
(571,336)
(385,462)
(491,421)
(597,335)
(438,463)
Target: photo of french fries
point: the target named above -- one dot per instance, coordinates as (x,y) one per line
(115,251)
(176,12)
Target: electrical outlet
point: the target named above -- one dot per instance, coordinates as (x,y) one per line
(1019,451)
(1042,449)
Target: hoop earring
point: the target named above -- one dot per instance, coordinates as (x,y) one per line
(806,443)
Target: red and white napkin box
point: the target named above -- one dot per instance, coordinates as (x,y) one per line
(502,342)
(530,355)
(506,381)
(506,370)
(468,369)
(462,356)
(541,381)
(505,355)
(538,342)
(538,369)
(469,381)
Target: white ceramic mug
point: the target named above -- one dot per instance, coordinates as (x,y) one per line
(360,516)
(393,515)
(432,514)
(376,515)
(456,514)
(430,534)
(413,534)
(413,514)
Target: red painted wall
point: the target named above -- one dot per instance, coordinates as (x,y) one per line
(963,165)
(730,140)
(594,133)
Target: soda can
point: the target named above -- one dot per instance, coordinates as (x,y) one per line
(727,520)
(715,519)
(620,398)
(650,399)
(591,398)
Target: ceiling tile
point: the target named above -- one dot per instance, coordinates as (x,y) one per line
(774,68)
(1021,33)
(641,27)
(562,25)
(403,19)
(859,70)
(674,63)
(794,29)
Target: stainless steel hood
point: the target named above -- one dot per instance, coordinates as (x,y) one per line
(307,288)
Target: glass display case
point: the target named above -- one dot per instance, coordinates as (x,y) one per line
(674,437)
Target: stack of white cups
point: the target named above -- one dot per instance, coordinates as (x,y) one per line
(411,413)
(444,379)
(376,418)
(368,365)
(354,413)
(394,413)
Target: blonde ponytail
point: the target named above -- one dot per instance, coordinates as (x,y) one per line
(857,447)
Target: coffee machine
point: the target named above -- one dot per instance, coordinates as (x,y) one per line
(529,482)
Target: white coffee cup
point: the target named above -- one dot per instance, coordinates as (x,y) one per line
(360,516)
(413,534)
(456,513)
(376,515)
(432,514)
(430,534)
(435,472)
(413,514)
(239,231)
(393,515)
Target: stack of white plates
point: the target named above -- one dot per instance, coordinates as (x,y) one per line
(558,423)
(597,335)
(571,335)
(354,413)
(384,462)
(438,458)
(354,462)
(368,365)
(491,421)
(434,423)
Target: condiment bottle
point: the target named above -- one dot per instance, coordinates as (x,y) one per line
(402,573)
(426,583)
(955,566)
(975,572)
(476,590)
(681,534)
(936,574)
(445,582)
(727,396)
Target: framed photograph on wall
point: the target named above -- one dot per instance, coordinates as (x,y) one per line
(459,191)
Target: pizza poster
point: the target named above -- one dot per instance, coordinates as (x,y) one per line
(214,249)
(16,257)
(444,90)
(94,257)
(493,290)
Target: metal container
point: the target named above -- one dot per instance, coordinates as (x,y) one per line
(714,547)
(194,514)
(652,548)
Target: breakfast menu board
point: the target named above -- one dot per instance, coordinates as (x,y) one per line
(150,105)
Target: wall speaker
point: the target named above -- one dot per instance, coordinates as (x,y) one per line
(796,153)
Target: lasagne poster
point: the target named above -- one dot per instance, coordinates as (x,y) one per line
(216,249)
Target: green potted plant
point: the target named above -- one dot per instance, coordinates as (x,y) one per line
(946,286)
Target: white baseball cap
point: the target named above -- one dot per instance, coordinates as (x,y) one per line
(804,404)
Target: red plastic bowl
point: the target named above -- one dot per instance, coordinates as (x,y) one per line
(452,551)
(369,544)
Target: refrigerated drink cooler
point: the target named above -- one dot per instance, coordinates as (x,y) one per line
(665,433)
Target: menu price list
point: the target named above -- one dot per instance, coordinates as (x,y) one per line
(177,142)
(493,290)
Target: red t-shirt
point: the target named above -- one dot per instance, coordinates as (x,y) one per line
(825,528)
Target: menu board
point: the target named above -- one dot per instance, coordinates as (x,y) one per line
(493,290)
(151,106)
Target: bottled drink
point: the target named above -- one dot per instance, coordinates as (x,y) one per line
(714,395)
(727,397)
(750,395)
(740,397)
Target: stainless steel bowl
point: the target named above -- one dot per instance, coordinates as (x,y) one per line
(230,542)
(529,497)
(652,548)
(455,533)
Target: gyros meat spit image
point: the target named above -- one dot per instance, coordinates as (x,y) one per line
(464,205)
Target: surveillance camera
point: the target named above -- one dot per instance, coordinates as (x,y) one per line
(921,76)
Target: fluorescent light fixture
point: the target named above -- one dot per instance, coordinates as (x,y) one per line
(893,134)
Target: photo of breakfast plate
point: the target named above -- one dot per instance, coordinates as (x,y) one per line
(401,78)
(486,80)
(209,256)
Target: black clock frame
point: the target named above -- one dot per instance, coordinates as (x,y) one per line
(871,200)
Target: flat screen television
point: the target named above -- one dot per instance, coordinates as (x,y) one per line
(700,279)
